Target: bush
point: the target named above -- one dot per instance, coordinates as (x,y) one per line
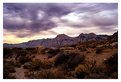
(80,71)
(36,65)
(72,46)
(60,59)
(27,65)
(43,51)
(17,64)
(46,74)
(8,67)
(76,60)
(7,52)
(82,48)
(7,75)
(114,75)
(98,50)
(31,50)
(112,63)
(90,66)
(46,64)
(24,59)
(71,59)
(83,70)
(20,53)
(112,60)
(52,52)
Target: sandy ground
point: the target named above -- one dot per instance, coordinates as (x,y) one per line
(100,58)
(19,74)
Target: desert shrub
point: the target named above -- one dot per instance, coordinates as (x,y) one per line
(84,69)
(90,66)
(27,65)
(82,48)
(45,74)
(52,52)
(112,63)
(17,49)
(92,46)
(75,60)
(9,67)
(33,56)
(98,50)
(80,71)
(114,75)
(59,74)
(36,65)
(17,64)
(7,75)
(60,59)
(32,50)
(88,52)
(112,60)
(46,64)
(21,53)
(72,45)
(24,59)
(7,52)
(71,59)
(43,51)
(116,46)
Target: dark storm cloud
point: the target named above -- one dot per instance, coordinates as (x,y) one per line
(30,12)
(36,17)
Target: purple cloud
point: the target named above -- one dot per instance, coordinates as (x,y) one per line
(37,17)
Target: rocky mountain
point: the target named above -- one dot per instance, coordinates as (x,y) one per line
(114,37)
(59,40)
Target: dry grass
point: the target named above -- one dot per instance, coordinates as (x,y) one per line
(85,60)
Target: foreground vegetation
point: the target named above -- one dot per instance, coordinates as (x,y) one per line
(87,60)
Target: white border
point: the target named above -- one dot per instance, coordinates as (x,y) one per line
(1,40)
(56,1)
(60,0)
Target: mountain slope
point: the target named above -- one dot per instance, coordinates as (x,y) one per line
(60,40)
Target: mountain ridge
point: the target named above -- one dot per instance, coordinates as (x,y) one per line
(59,40)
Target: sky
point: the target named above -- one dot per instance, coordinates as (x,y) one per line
(30,21)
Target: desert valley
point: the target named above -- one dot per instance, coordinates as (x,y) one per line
(89,57)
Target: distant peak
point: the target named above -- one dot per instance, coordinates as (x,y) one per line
(91,33)
(62,36)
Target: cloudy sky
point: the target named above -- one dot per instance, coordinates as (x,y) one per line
(27,21)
